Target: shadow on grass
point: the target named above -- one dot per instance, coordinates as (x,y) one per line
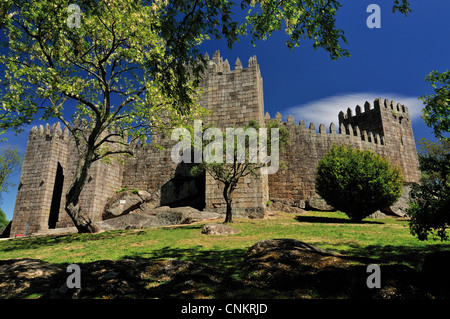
(228,261)
(28,243)
(332,220)
(196,272)
(193,272)
(412,256)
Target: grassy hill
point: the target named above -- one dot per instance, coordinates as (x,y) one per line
(386,241)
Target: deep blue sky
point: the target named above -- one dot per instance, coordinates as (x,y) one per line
(390,62)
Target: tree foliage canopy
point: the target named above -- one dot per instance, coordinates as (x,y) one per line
(436,112)
(10,161)
(3,220)
(245,156)
(357,182)
(430,209)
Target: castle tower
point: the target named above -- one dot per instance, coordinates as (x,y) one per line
(391,121)
(235,97)
(41,180)
(47,171)
(102,182)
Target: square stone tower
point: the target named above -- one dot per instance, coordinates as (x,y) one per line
(235,97)
(392,122)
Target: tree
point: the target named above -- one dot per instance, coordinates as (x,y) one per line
(357,182)
(114,66)
(430,212)
(3,220)
(436,112)
(234,154)
(429,209)
(10,161)
(121,70)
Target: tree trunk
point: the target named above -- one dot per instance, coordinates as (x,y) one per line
(229,214)
(227,191)
(82,222)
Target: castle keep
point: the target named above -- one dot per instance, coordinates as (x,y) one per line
(234,97)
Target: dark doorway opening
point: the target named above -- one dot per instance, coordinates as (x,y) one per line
(184,189)
(56,198)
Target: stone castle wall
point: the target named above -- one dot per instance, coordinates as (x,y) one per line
(377,129)
(234,96)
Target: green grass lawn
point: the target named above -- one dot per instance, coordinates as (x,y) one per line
(388,240)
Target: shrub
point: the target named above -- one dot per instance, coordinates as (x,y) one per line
(3,220)
(357,182)
(430,209)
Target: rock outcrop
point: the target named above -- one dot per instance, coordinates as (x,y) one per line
(219,229)
(125,202)
(160,216)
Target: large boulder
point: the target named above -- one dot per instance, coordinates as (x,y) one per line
(160,216)
(109,279)
(318,203)
(287,257)
(283,207)
(125,202)
(121,204)
(399,208)
(219,229)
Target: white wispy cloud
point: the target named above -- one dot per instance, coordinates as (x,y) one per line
(326,110)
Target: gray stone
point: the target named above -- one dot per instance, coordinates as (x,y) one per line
(318,203)
(121,203)
(192,217)
(377,214)
(21,277)
(129,221)
(219,229)
(128,201)
(281,207)
(399,208)
(160,216)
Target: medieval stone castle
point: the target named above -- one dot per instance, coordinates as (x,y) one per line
(234,97)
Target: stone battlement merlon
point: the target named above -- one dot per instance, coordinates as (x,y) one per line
(379,104)
(218,65)
(49,132)
(349,130)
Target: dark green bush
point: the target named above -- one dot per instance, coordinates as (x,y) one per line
(430,209)
(357,182)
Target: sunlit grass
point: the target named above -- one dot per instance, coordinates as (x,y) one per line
(387,240)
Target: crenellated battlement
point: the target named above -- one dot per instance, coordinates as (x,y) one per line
(344,130)
(48,132)
(397,109)
(217,65)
